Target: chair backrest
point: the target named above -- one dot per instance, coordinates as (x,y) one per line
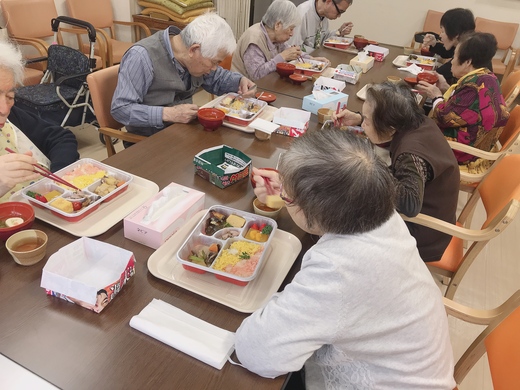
(500,186)
(504,32)
(511,130)
(509,83)
(433,21)
(226,62)
(500,339)
(33,24)
(97,12)
(102,85)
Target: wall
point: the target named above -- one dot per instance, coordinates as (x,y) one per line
(394,22)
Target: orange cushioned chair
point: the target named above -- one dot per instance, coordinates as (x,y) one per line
(432,23)
(500,340)
(499,192)
(510,87)
(102,85)
(100,14)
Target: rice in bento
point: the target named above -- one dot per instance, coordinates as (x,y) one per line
(240,259)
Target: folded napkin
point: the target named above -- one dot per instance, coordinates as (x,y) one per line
(413,69)
(263,125)
(180,330)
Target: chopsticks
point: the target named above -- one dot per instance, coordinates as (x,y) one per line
(46,173)
(336,121)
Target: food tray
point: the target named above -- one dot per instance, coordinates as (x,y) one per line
(106,216)
(309,67)
(427,63)
(47,185)
(285,248)
(205,234)
(239,110)
(266,114)
(339,42)
(400,61)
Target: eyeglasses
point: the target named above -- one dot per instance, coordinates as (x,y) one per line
(288,201)
(340,12)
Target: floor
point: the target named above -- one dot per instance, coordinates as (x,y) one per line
(493,277)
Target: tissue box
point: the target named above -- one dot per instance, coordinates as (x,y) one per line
(379,53)
(326,83)
(222,165)
(347,73)
(174,205)
(365,65)
(293,122)
(331,101)
(88,272)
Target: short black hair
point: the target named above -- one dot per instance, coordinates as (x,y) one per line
(478,47)
(457,21)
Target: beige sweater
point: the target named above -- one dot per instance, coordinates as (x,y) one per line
(253,35)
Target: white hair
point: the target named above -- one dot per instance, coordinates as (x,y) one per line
(212,33)
(12,61)
(283,11)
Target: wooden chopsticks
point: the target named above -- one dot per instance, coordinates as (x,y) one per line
(46,173)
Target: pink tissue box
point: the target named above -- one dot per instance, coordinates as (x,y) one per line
(173,207)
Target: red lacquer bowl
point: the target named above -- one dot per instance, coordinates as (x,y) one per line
(210,118)
(285,69)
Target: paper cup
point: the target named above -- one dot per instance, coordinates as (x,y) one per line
(324,114)
(408,50)
(393,79)
(28,246)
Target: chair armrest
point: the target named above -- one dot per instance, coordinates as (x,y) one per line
(143,26)
(512,61)
(474,151)
(125,136)
(36,59)
(38,44)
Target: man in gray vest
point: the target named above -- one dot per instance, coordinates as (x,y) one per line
(159,75)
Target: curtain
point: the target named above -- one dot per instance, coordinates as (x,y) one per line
(236,13)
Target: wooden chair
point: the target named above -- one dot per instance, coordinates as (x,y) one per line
(102,85)
(226,64)
(100,14)
(510,87)
(432,23)
(505,33)
(509,140)
(499,192)
(500,340)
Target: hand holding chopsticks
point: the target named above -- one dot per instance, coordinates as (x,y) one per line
(46,173)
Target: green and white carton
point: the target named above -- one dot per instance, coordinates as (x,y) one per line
(222,165)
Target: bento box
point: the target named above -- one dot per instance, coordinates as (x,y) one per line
(98,183)
(239,110)
(427,63)
(309,67)
(229,243)
(338,42)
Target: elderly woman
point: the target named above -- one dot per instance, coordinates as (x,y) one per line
(363,311)
(454,23)
(33,140)
(263,45)
(426,170)
(473,110)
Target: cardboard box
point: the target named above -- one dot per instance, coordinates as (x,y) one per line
(379,53)
(326,99)
(366,64)
(326,83)
(293,122)
(222,165)
(88,272)
(347,73)
(160,217)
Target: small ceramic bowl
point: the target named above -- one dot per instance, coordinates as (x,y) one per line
(28,246)
(10,212)
(262,209)
(266,96)
(324,114)
(360,43)
(262,135)
(285,69)
(411,81)
(210,118)
(393,79)
(430,78)
(298,78)
(408,50)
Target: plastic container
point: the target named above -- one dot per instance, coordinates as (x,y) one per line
(224,238)
(46,185)
(309,67)
(339,42)
(427,63)
(242,111)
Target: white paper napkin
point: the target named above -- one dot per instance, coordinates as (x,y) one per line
(180,330)
(413,69)
(263,125)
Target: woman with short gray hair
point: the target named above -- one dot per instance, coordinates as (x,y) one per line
(363,311)
(421,160)
(263,45)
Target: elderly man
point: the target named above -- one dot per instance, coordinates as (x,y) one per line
(159,75)
(315,22)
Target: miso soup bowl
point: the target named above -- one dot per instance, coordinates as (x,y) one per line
(12,210)
(28,246)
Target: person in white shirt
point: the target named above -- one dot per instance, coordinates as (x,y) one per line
(314,29)
(363,312)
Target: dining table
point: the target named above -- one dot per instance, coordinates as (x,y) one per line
(75,348)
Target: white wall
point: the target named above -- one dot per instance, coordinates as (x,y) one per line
(394,22)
